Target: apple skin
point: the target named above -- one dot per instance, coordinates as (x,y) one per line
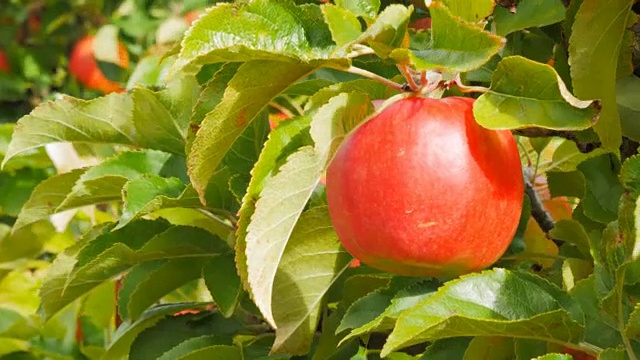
(4,64)
(83,64)
(421,189)
(577,354)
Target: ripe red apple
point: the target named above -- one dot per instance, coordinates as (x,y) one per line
(421,24)
(4,64)
(578,355)
(421,189)
(83,64)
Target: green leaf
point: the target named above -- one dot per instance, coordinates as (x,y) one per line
(528,14)
(490,348)
(573,232)
(244,153)
(162,118)
(603,188)
(497,302)
(544,102)
(148,282)
(223,283)
(17,187)
(365,8)
(282,141)
(471,11)
(529,349)
(365,310)
(205,347)
(601,329)
(374,89)
(627,95)
(632,328)
(630,176)
(277,210)
(36,158)
(104,182)
(210,96)
(46,197)
(173,331)
(129,330)
(554,357)
(312,260)
(570,183)
(344,25)
(372,311)
(401,301)
(594,63)
(105,119)
(253,86)
(156,120)
(83,267)
(307,87)
(149,193)
(456,46)
(227,33)
(446,349)
(567,156)
(26,242)
(388,31)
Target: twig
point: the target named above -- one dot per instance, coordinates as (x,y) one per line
(584,147)
(538,211)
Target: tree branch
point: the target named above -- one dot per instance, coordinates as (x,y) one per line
(584,147)
(538,212)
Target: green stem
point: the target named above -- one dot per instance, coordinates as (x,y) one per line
(625,340)
(373,76)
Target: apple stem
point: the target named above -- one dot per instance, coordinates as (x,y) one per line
(410,80)
(373,76)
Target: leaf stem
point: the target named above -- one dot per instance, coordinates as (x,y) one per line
(368,74)
(294,104)
(359,50)
(281,108)
(468,89)
(625,340)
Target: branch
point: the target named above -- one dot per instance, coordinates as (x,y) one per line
(584,147)
(538,211)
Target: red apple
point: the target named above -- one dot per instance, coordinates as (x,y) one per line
(422,24)
(4,64)
(275,119)
(83,64)
(578,355)
(421,189)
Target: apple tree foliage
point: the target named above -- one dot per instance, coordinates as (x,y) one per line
(179,226)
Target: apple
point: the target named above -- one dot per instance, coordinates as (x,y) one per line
(578,355)
(420,189)
(421,24)
(83,64)
(4,64)
(275,119)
